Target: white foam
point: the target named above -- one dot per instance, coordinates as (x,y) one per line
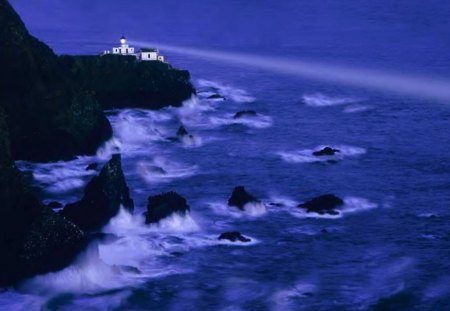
(351,205)
(89,274)
(176,223)
(306,155)
(322,100)
(357,108)
(234,94)
(109,148)
(251,209)
(60,177)
(259,121)
(286,299)
(191,141)
(161,169)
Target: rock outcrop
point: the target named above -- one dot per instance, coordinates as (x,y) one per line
(102,199)
(233,236)
(327,151)
(33,239)
(164,205)
(240,197)
(245,113)
(324,204)
(122,81)
(49,116)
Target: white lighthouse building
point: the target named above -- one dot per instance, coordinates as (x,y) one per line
(124,48)
(144,54)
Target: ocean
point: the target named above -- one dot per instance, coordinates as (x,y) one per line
(388,247)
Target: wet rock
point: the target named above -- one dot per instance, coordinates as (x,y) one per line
(164,205)
(240,197)
(276,204)
(245,113)
(325,204)
(327,151)
(182,131)
(92,167)
(233,236)
(216,96)
(33,238)
(102,199)
(156,170)
(54,205)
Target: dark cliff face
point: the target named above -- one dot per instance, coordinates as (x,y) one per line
(33,239)
(122,81)
(49,116)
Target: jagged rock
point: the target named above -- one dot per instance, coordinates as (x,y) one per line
(92,167)
(233,237)
(122,81)
(54,205)
(182,131)
(327,151)
(245,113)
(240,197)
(156,170)
(33,239)
(102,199)
(325,204)
(163,205)
(276,204)
(50,116)
(216,96)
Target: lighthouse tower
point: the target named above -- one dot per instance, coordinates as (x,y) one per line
(124,48)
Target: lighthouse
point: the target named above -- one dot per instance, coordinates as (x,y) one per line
(144,54)
(124,48)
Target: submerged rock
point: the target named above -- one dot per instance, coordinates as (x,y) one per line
(182,131)
(164,205)
(327,151)
(92,167)
(233,236)
(325,204)
(54,205)
(216,96)
(240,197)
(102,199)
(245,113)
(153,169)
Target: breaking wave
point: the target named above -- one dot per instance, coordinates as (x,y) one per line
(306,155)
(160,169)
(207,88)
(322,100)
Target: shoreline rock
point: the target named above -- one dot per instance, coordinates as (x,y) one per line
(240,197)
(164,205)
(234,236)
(327,151)
(102,198)
(245,113)
(324,204)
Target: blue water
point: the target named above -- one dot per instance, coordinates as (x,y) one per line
(388,249)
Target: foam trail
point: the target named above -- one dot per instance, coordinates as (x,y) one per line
(416,86)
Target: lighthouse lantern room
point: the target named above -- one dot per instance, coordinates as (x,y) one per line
(124,48)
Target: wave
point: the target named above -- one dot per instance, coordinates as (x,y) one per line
(59,177)
(351,205)
(259,121)
(357,108)
(160,170)
(252,209)
(207,88)
(306,155)
(322,100)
